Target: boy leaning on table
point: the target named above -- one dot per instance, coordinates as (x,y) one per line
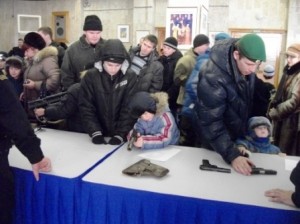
(104,95)
(156,126)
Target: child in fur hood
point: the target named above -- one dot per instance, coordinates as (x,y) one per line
(258,138)
(156,126)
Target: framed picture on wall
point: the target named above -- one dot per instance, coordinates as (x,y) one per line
(29,23)
(181,24)
(204,21)
(123,33)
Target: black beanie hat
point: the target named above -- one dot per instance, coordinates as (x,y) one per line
(140,103)
(92,22)
(34,40)
(171,42)
(200,39)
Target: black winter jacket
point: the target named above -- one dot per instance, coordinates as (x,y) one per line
(104,98)
(15,127)
(67,109)
(79,57)
(224,100)
(150,78)
(295,178)
(169,64)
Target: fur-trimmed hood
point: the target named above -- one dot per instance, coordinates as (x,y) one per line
(44,53)
(161,99)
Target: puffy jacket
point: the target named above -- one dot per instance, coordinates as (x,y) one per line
(190,96)
(103,98)
(43,68)
(224,100)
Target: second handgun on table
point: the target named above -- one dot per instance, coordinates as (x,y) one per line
(209,167)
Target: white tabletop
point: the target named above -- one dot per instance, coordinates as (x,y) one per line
(186,179)
(71,153)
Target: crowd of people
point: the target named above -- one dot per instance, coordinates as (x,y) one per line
(209,97)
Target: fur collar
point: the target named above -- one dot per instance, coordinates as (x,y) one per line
(161,99)
(295,69)
(44,53)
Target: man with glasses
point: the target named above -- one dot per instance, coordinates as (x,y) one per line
(225,95)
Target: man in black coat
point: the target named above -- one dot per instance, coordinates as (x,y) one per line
(66,109)
(169,59)
(225,94)
(15,129)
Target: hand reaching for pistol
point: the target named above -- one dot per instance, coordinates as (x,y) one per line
(242,165)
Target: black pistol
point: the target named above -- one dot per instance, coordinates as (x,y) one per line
(132,139)
(257,170)
(209,167)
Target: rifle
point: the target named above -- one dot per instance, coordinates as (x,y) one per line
(209,167)
(132,139)
(46,101)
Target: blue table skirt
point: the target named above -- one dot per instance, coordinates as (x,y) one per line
(52,199)
(108,204)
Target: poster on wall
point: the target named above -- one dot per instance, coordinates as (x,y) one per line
(204,21)
(123,33)
(181,24)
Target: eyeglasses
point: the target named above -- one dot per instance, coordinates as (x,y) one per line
(290,56)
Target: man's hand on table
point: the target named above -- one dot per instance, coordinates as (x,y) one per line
(280,196)
(44,165)
(242,165)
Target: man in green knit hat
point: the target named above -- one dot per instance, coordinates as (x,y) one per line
(225,95)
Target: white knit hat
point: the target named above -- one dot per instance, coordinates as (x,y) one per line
(269,71)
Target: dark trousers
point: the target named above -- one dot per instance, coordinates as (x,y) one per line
(188,135)
(6,189)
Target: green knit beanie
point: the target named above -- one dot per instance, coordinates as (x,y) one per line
(252,47)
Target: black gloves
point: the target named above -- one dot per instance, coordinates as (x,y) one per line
(97,138)
(116,140)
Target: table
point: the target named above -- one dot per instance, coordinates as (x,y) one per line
(55,198)
(186,194)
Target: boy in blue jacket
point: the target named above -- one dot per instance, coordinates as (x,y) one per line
(156,126)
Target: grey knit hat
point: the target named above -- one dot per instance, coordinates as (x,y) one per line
(269,71)
(258,121)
